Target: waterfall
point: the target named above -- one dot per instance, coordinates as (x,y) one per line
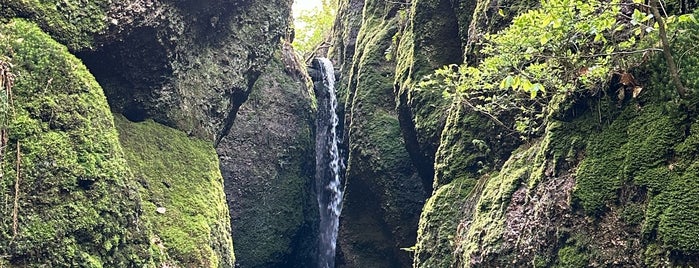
(328,163)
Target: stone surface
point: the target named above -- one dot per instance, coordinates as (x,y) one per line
(268,162)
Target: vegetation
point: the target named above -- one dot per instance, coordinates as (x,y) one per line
(563,48)
(73,23)
(561,76)
(313,27)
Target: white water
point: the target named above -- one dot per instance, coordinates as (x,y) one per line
(328,167)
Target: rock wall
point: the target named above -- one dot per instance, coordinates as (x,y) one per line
(268,162)
(605,184)
(383,192)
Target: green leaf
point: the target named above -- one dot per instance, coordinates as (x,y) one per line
(599,37)
(557,23)
(544,39)
(507,82)
(638,16)
(536,88)
(526,85)
(516,82)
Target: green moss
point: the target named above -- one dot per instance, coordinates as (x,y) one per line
(572,256)
(77,203)
(74,23)
(180,174)
(465,149)
(439,222)
(486,228)
(634,148)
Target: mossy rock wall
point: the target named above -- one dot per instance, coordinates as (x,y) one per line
(73,23)
(193,65)
(69,199)
(182,190)
(607,184)
(429,39)
(383,193)
(268,166)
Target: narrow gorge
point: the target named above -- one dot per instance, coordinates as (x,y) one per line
(349,133)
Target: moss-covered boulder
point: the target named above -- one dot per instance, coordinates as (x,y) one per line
(184,206)
(69,197)
(267,161)
(73,23)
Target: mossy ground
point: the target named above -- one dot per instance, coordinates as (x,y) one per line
(180,174)
(70,164)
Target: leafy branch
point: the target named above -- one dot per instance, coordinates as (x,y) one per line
(547,54)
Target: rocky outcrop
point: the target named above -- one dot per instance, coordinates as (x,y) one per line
(190,64)
(267,160)
(587,192)
(429,40)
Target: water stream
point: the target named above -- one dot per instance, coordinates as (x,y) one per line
(328,163)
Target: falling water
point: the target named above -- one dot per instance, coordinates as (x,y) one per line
(328,164)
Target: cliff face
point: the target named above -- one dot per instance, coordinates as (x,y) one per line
(604,184)
(383,192)
(175,74)
(267,160)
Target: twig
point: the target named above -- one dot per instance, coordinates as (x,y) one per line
(489,115)
(15,210)
(672,67)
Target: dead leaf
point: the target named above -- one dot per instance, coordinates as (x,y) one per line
(621,94)
(637,91)
(627,79)
(583,71)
